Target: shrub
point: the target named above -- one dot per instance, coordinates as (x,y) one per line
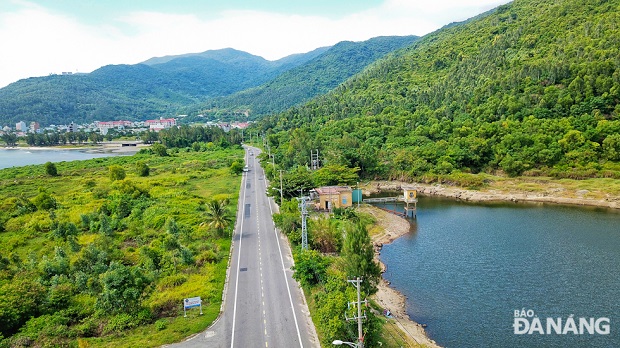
(44,201)
(161,324)
(116,172)
(310,267)
(142,169)
(119,323)
(208,256)
(172,281)
(50,169)
(159,150)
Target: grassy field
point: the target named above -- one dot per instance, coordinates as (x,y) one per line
(86,260)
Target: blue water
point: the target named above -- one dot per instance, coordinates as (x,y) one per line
(21,157)
(466,268)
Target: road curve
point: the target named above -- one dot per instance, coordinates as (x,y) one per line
(263,305)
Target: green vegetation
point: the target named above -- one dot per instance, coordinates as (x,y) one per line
(50,169)
(530,88)
(317,77)
(180,85)
(301,178)
(324,278)
(95,258)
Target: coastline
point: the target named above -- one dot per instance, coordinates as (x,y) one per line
(554,194)
(106,147)
(388,228)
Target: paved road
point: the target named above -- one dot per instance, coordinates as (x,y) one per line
(264,306)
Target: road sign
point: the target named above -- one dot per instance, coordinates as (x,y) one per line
(191,303)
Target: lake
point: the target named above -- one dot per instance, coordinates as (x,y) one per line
(466,268)
(22,157)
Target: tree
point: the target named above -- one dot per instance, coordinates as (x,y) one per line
(236,168)
(50,169)
(142,169)
(217,216)
(10,139)
(310,267)
(159,150)
(149,137)
(93,137)
(335,174)
(122,288)
(325,236)
(116,172)
(358,256)
(44,201)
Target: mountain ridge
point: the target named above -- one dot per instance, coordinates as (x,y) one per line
(160,86)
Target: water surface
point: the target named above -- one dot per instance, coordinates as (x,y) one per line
(22,157)
(466,268)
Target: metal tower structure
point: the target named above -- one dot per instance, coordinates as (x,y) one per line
(314,160)
(304,226)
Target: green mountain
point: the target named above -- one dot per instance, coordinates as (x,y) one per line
(531,87)
(158,87)
(318,76)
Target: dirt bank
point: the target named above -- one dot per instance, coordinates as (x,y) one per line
(388,228)
(507,191)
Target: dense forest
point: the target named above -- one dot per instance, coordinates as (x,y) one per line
(317,77)
(158,87)
(530,88)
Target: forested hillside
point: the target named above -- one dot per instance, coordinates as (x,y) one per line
(138,92)
(532,87)
(317,77)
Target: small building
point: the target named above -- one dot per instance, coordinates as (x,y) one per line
(334,197)
(21,126)
(34,127)
(162,123)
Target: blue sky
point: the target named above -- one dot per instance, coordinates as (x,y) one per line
(39,37)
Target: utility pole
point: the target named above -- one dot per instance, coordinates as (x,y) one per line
(281,194)
(304,225)
(360,338)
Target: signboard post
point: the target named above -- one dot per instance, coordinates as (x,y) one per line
(191,303)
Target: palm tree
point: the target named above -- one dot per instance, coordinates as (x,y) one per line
(217,217)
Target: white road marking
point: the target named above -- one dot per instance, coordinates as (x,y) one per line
(232,339)
(288,288)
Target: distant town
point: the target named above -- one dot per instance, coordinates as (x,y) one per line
(22,129)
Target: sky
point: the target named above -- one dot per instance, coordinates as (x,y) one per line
(41,37)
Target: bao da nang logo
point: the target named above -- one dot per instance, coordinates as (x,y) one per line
(526,322)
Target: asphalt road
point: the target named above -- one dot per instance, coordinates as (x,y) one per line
(263,306)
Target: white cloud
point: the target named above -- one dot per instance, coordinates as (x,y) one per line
(36,41)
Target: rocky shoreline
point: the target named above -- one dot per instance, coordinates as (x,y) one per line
(555,195)
(391,227)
